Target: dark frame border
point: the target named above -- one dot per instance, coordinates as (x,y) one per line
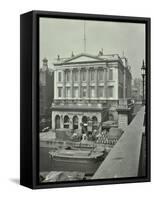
(33,170)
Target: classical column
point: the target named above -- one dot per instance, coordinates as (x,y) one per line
(71,122)
(105,82)
(88,83)
(79,122)
(71,81)
(64,84)
(53,120)
(79,83)
(96,82)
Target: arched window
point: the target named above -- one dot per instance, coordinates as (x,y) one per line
(84,120)
(84,124)
(66,121)
(57,122)
(75,122)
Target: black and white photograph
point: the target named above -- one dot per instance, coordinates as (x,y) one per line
(92,100)
(76,100)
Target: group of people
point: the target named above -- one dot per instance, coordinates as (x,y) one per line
(99,137)
(96,136)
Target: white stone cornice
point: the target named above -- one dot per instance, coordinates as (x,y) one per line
(79,66)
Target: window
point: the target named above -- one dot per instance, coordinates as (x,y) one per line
(92,75)
(110,91)
(83,75)
(76,92)
(92,91)
(94,123)
(66,121)
(100,75)
(59,77)
(84,91)
(75,75)
(67,76)
(68,91)
(101,91)
(59,91)
(110,74)
(75,122)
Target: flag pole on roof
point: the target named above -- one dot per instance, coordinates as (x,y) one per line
(84,36)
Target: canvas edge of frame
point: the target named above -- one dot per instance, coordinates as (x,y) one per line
(35,98)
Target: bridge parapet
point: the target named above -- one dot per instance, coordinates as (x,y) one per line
(124,159)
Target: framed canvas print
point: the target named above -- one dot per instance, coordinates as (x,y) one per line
(85,99)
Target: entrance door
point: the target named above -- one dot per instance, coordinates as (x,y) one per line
(57,122)
(84,124)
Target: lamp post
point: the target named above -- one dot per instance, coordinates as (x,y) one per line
(143,77)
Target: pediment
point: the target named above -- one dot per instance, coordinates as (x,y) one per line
(82,58)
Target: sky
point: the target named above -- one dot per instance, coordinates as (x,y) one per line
(64,36)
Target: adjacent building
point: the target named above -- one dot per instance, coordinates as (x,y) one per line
(137,89)
(87,90)
(46,93)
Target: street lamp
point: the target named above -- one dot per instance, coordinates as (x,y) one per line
(143,77)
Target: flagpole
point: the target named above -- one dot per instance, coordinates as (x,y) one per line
(84,36)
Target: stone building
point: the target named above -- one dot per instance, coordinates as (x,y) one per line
(86,87)
(137,89)
(46,93)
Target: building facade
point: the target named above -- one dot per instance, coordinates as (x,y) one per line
(46,93)
(87,89)
(137,89)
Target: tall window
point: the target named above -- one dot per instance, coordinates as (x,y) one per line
(110,91)
(83,75)
(67,76)
(59,77)
(66,121)
(100,75)
(68,91)
(75,75)
(92,91)
(59,91)
(110,74)
(101,91)
(92,75)
(76,92)
(84,91)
